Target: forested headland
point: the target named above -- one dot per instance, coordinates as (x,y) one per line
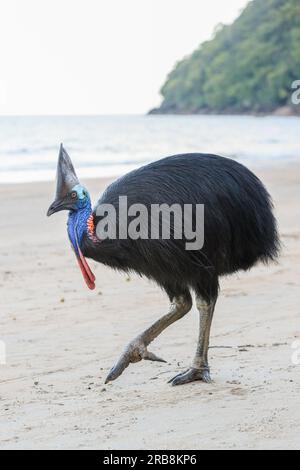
(248,66)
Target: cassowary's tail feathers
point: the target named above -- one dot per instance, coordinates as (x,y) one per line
(271,237)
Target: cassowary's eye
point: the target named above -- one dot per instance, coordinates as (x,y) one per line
(74,195)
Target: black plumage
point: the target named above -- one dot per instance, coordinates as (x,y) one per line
(240,228)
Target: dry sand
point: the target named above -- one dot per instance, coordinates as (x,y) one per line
(62,339)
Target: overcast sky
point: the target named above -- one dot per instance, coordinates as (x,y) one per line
(97,56)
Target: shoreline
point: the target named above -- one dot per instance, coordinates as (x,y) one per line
(253,166)
(285,111)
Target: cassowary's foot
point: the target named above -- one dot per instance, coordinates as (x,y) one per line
(191,375)
(134,352)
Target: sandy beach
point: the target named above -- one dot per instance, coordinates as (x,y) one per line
(62,339)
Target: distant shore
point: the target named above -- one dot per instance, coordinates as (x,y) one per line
(282,111)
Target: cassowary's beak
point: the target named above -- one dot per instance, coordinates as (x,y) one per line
(66,179)
(59,205)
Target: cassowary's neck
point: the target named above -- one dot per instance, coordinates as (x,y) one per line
(81,222)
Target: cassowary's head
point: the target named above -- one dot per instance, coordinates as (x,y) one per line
(72,196)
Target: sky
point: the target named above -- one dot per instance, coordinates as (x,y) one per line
(98,56)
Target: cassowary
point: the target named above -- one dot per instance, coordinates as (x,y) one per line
(239,231)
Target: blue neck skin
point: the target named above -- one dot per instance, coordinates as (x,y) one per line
(77,221)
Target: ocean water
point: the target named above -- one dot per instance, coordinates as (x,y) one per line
(112,145)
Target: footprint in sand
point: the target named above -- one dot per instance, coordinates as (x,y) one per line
(240,392)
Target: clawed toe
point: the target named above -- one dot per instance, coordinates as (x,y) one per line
(191,375)
(135,352)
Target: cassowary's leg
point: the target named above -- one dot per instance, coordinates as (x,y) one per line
(200,368)
(137,349)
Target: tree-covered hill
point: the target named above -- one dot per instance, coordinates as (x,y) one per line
(248,66)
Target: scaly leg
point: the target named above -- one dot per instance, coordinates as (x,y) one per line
(200,368)
(137,349)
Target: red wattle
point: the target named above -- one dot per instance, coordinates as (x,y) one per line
(87,268)
(87,274)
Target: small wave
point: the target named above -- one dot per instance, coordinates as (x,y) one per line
(28,150)
(17,151)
